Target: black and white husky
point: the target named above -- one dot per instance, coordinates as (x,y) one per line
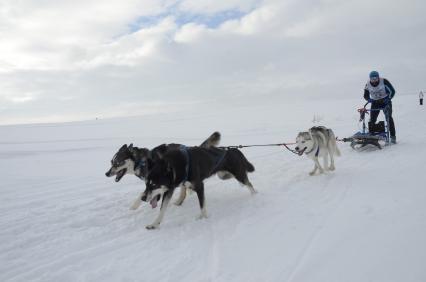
(139,161)
(318,142)
(190,166)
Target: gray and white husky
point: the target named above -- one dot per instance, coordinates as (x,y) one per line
(318,142)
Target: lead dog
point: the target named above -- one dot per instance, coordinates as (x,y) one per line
(318,142)
(190,166)
(139,161)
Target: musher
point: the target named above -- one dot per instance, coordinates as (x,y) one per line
(379,92)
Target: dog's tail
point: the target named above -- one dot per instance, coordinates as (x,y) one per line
(337,151)
(212,141)
(333,143)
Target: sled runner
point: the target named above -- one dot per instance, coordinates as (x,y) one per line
(376,134)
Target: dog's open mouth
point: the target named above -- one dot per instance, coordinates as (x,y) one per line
(302,151)
(120,174)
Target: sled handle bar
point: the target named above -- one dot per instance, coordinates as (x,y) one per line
(363,109)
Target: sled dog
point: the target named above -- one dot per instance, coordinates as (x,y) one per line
(139,161)
(318,142)
(190,166)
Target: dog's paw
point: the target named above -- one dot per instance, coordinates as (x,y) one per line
(135,205)
(331,168)
(202,216)
(312,173)
(152,226)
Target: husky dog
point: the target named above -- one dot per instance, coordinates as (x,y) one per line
(319,141)
(139,161)
(190,166)
(128,160)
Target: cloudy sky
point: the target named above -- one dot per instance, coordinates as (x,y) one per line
(81,59)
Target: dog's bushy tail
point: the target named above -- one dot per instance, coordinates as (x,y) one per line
(212,141)
(337,151)
(333,142)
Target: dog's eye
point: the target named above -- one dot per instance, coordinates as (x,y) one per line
(303,141)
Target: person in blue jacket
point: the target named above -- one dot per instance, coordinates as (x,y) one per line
(379,91)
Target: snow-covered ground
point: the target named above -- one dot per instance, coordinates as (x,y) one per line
(61,219)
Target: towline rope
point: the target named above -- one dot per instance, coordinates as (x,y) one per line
(285,145)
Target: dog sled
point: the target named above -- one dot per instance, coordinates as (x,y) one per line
(375,134)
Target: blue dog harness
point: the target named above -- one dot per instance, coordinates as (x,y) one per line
(219,161)
(185,152)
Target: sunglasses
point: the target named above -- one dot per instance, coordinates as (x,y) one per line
(374,79)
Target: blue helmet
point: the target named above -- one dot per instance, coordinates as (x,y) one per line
(374,74)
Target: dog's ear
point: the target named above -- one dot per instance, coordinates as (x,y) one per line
(123,147)
(132,149)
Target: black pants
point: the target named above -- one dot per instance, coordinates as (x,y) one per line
(380,104)
(421,101)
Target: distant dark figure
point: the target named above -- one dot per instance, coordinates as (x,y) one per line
(421,98)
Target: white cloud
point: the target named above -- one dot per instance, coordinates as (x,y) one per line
(96,55)
(256,21)
(131,49)
(214,6)
(190,32)
(21,98)
(43,34)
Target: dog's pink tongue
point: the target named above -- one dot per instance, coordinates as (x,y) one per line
(153,202)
